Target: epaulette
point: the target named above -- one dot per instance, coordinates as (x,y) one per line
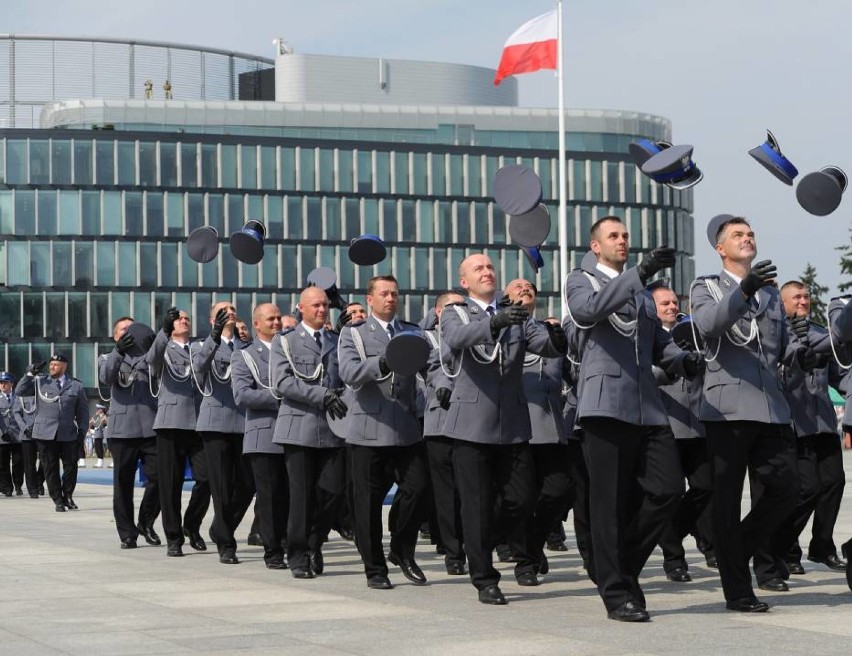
(358,323)
(462,304)
(284,331)
(409,323)
(712,276)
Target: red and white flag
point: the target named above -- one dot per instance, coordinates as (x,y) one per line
(532,47)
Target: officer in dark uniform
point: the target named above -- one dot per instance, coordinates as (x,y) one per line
(24,414)
(11,452)
(61,420)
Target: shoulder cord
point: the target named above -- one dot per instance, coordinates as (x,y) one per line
(169,366)
(735,336)
(318,372)
(206,389)
(436,344)
(124,380)
(358,343)
(531,359)
(479,352)
(254,370)
(43,397)
(842,365)
(24,407)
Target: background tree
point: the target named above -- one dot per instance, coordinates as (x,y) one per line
(846,264)
(818,305)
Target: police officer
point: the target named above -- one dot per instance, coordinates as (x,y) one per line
(11,452)
(61,419)
(305,375)
(24,414)
(746,416)
(130,431)
(174,424)
(255,395)
(489,421)
(221,425)
(383,438)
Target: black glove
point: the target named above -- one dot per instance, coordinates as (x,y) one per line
(694,364)
(125,343)
(81,434)
(685,344)
(342,320)
(799,326)
(443,395)
(505,302)
(332,404)
(661,257)
(28,432)
(6,437)
(35,368)
(761,274)
(808,358)
(172,315)
(557,336)
(513,315)
(219,322)
(383,366)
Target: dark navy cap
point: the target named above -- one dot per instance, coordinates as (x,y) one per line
(58,357)
(769,156)
(642,150)
(534,258)
(715,226)
(820,193)
(247,244)
(325,278)
(202,245)
(407,352)
(682,332)
(530,229)
(517,189)
(143,337)
(673,167)
(367,250)
(6,377)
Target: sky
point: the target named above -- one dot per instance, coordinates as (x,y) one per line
(723,71)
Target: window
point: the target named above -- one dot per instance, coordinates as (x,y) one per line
(228,165)
(133,213)
(400,172)
(294,218)
(69,213)
(99,318)
(371,216)
(389,232)
(382,172)
(314,218)
(62,261)
(148,163)
(174,214)
(236,213)
(19,263)
(474,177)
(148,265)
(39,162)
(33,319)
(345,170)
(420,175)
(326,170)
(209,166)
(25,215)
(112,224)
(168,264)
(40,264)
(365,172)
(274,216)
(353,217)
(307,175)
(596,177)
(142,308)
(154,214)
(46,212)
(287,166)
(195,213)
(216,212)
(84,265)
(612,185)
(105,162)
(120,305)
(106,262)
(91,212)
(462,223)
(439,181)
(83,166)
(128,268)
(61,161)
(332,219)
(425,222)
(268,169)
(189,269)
(56,316)
(248,167)
(456,175)
(16,161)
(445,221)
(168,164)
(189,165)
(127,163)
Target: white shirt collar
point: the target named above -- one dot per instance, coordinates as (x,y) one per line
(310,330)
(736,278)
(483,304)
(607,271)
(268,345)
(384,324)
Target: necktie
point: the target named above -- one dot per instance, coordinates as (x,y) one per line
(490,311)
(318,338)
(231,345)
(186,348)
(59,382)
(391,331)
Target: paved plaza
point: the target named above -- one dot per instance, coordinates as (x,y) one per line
(67,588)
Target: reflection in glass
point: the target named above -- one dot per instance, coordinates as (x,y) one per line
(209,166)
(16,161)
(62,261)
(168,164)
(69,212)
(40,264)
(106,263)
(61,161)
(19,263)
(39,161)
(148,163)
(133,213)
(84,265)
(54,328)
(127,162)
(91,212)
(228,165)
(25,219)
(189,165)
(248,167)
(105,162)
(33,319)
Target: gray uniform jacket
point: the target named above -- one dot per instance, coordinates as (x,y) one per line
(571,375)
(24,413)
(840,317)
(254,398)
(807,391)
(8,423)
(301,417)
(615,379)
(64,415)
(179,398)
(742,383)
(542,380)
(488,405)
(682,401)
(382,409)
(132,408)
(436,378)
(212,364)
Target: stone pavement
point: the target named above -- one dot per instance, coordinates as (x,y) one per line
(67,588)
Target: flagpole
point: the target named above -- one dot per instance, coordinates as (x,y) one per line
(562,228)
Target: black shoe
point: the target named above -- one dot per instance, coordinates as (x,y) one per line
(379,582)
(711,562)
(212,537)
(346,533)
(304,573)
(69,503)
(747,605)
(679,575)
(228,557)
(528,579)
(410,569)
(774,585)
(425,534)
(41,491)
(19,492)
(543,564)
(33,495)
(254,540)
(795,568)
(174,551)
(149,534)
(128,543)
(60,507)
(440,549)
(629,611)
(195,540)
(832,562)
(557,546)
(456,569)
(317,566)
(276,562)
(846,550)
(491,594)
(7,493)
(504,554)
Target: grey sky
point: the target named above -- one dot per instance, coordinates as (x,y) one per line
(722,71)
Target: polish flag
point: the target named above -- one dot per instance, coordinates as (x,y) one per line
(531,48)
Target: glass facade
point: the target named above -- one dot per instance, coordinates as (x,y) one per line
(94,222)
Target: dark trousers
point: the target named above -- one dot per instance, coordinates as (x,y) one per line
(51,452)
(820,469)
(126,453)
(635,483)
(768,453)
(230,486)
(579,504)
(374,470)
(33,466)
(173,448)
(446,499)
(485,473)
(11,467)
(317,482)
(99,447)
(553,488)
(271,506)
(693,512)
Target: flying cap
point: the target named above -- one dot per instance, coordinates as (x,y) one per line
(682,332)
(247,244)
(673,167)
(642,150)
(407,352)
(769,156)
(58,357)
(367,250)
(715,226)
(820,193)
(202,245)
(534,258)
(325,278)
(531,228)
(143,338)
(517,189)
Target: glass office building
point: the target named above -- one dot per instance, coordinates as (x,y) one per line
(95,205)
